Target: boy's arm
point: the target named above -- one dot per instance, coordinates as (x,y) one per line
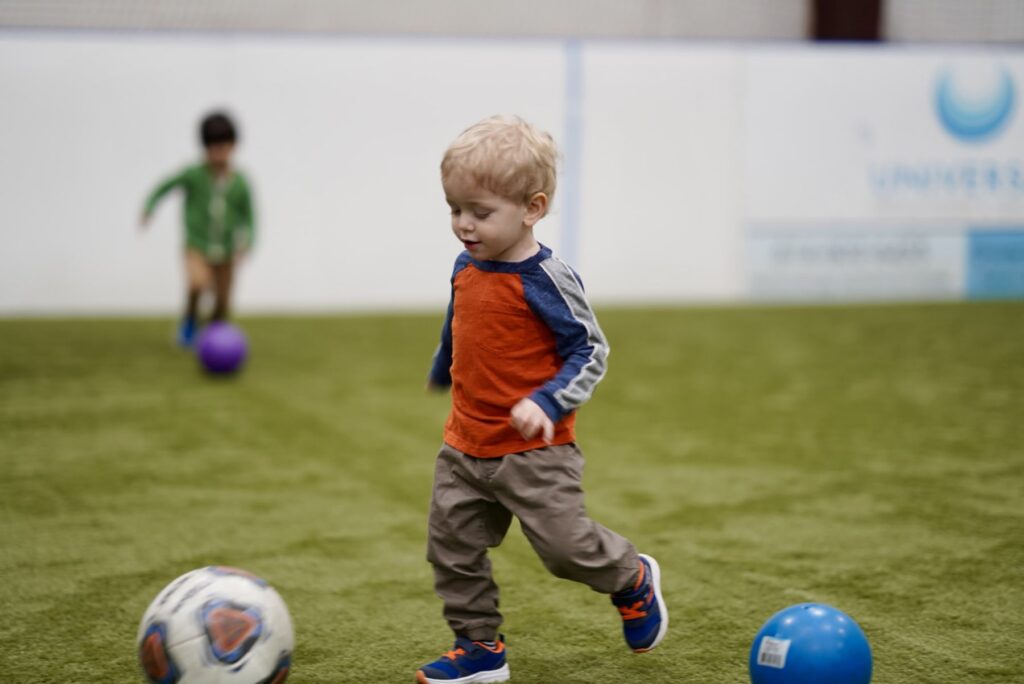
(161,190)
(556,295)
(441,369)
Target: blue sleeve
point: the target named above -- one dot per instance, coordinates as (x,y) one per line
(441,367)
(555,294)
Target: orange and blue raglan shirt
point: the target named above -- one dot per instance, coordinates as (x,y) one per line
(516,330)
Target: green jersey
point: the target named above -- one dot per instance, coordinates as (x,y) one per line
(218,210)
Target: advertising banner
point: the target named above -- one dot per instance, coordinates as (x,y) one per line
(880,173)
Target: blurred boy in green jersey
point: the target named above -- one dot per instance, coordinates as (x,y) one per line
(219,221)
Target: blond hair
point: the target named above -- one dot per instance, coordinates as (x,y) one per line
(504,155)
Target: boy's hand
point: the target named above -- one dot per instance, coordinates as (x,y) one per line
(529,419)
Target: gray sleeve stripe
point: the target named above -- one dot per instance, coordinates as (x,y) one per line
(579,389)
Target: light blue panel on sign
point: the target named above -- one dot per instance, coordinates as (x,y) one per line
(995,264)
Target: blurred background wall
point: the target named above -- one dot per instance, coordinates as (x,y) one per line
(711,151)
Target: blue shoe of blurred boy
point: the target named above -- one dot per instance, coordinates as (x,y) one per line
(468,661)
(643,611)
(187,332)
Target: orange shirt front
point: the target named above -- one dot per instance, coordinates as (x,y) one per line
(509,333)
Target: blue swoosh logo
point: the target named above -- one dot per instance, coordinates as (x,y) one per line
(974,119)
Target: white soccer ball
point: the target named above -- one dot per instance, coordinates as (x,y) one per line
(216,625)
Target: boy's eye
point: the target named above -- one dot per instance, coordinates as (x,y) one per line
(455,212)
(481,214)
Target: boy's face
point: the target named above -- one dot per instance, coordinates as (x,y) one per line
(219,154)
(491,227)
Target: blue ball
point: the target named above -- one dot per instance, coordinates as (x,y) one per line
(810,643)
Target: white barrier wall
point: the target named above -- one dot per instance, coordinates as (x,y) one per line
(341,138)
(683,164)
(660,163)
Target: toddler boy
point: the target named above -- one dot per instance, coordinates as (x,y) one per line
(521,350)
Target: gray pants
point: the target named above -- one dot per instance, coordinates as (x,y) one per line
(472,507)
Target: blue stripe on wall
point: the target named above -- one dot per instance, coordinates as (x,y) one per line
(572,154)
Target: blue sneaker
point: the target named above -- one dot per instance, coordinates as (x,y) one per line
(468,661)
(187,332)
(644,615)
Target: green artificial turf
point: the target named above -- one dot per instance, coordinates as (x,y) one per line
(867,457)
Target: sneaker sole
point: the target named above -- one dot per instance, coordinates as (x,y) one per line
(499,675)
(656,581)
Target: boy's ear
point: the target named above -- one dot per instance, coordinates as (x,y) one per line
(536,208)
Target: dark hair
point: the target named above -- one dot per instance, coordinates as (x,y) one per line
(217,128)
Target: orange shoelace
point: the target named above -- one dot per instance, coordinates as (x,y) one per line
(633,612)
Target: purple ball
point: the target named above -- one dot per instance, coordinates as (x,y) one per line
(221,348)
